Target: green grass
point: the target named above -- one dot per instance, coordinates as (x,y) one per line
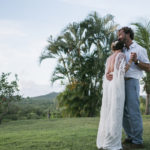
(56,134)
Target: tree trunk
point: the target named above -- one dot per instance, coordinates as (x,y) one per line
(147,110)
(0,120)
(69,79)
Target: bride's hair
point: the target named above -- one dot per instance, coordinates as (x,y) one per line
(117,45)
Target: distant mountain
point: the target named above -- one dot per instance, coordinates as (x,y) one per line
(38,105)
(49,96)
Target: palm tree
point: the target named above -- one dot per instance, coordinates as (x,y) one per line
(142,36)
(100,32)
(82,49)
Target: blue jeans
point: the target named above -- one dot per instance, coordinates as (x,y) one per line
(132,120)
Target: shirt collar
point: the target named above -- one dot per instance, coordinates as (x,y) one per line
(131,46)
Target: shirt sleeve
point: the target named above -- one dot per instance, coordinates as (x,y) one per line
(143,56)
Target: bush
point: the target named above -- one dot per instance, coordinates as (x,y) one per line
(11,117)
(32,116)
(142,104)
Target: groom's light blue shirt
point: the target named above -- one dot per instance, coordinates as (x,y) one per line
(134,71)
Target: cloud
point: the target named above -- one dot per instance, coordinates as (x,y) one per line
(20,49)
(9,28)
(87,3)
(109,5)
(31,89)
(125,12)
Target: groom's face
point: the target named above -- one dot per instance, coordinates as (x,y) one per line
(122,36)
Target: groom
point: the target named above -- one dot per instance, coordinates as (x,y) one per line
(132,120)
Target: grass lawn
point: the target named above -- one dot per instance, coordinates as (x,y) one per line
(56,134)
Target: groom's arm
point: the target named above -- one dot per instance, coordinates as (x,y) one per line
(143,66)
(140,64)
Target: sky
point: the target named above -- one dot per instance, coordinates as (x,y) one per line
(25,26)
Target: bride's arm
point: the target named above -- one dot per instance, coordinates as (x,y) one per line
(128,65)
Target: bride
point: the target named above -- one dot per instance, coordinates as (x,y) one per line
(110,126)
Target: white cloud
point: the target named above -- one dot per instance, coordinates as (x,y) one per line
(9,28)
(30,88)
(111,4)
(125,12)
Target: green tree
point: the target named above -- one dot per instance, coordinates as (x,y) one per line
(81,51)
(142,36)
(8,93)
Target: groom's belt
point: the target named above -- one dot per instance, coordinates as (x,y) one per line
(127,78)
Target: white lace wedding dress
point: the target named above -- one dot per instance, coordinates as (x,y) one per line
(110,126)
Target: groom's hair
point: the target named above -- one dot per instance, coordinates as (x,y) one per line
(128,30)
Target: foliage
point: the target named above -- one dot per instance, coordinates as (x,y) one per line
(142,104)
(8,93)
(81,51)
(32,108)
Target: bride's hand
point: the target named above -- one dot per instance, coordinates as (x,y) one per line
(130,61)
(109,76)
(128,64)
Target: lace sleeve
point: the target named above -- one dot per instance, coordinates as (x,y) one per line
(120,63)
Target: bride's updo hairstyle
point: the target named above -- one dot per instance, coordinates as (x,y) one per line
(117,45)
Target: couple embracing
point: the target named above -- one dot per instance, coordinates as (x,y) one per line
(120,102)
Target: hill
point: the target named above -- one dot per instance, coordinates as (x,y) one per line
(49,96)
(34,107)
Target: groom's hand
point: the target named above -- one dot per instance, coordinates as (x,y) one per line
(109,76)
